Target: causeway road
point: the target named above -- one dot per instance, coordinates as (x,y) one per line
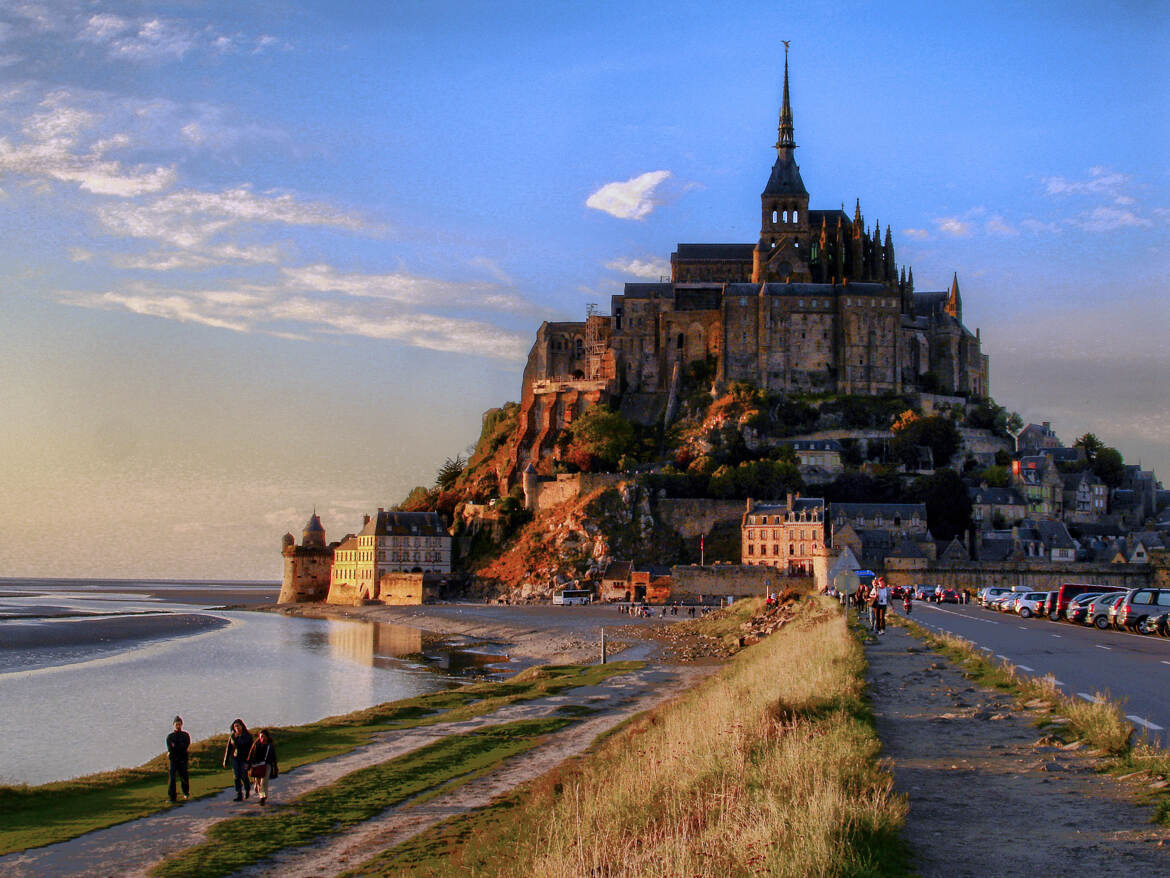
(1084,661)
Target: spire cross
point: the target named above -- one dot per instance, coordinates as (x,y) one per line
(785,139)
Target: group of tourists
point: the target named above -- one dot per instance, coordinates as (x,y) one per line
(644,612)
(253,761)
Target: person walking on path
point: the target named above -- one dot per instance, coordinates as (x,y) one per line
(262,764)
(178,742)
(239,745)
(881,600)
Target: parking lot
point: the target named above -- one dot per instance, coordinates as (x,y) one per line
(1083,661)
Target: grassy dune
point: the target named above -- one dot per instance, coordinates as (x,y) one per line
(769,767)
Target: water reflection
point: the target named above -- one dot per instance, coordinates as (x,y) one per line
(385,644)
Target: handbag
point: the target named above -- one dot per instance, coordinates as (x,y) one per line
(257,771)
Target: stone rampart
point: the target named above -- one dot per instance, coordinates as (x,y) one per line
(405,589)
(569,486)
(734,580)
(1039,575)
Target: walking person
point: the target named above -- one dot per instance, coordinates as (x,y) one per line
(178,742)
(239,745)
(262,764)
(881,600)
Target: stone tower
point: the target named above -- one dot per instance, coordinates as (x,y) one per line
(783,249)
(307,566)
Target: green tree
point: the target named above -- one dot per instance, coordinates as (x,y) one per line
(948,508)
(995,476)
(599,438)
(1091,445)
(449,472)
(1109,466)
(937,433)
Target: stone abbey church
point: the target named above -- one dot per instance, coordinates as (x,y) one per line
(817,305)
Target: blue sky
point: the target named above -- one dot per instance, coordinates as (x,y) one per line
(256,257)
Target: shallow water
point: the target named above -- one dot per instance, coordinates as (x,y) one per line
(80,708)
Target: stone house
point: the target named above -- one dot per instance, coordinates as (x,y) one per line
(996,507)
(819,460)
(1085,498)
(615,582)
(1035,438)
(789,536)
(900,519)
(389,542)
(1036,477)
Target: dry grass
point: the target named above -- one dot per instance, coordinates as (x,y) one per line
(767,768)
(1101,723)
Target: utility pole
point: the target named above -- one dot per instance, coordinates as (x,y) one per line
(603,655)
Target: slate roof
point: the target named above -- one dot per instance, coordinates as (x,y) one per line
(797,505)
(812,444)
(871,510)
(405,524)
(646,291)
(995,550)
(995,496)
(1054,535)
(619,570)
(785,179)
(737,252)
(908,549)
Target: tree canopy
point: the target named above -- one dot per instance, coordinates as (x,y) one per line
(936,432)
(1109,466)
(599,439)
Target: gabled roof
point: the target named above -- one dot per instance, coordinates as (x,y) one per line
(995,496)
(618,570)
(908,549)
(954,551)
(1054,535)
(737,252)
(404,524)
(871,510)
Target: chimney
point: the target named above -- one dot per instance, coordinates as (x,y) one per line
(791,501)
(365,520)
(749,505)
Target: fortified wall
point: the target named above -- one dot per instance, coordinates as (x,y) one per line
(731,580)
(692,517)
(1035,574)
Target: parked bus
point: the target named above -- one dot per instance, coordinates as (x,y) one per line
(567,597)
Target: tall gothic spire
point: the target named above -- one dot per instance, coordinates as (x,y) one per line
(786,139)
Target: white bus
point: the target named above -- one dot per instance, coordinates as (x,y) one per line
(569,596)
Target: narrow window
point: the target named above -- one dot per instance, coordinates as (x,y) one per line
(681,341)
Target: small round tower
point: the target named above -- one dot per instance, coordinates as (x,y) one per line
(314,533)
(529,482)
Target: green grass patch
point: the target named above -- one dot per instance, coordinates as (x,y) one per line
(357,797)
(34,816)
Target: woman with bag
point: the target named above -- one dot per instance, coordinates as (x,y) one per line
(262,764)
(239,745)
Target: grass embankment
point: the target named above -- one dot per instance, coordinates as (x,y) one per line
(357,797)
(768,767)
(49,813)
(1101,724)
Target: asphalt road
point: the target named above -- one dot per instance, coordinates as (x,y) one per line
(1084,661)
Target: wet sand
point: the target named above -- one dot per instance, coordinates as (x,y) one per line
(103,630)
(534,633)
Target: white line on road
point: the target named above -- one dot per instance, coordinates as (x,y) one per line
(1026,668)
(1056,635)
(1091,698)
(1056,682)
(1144,722)
(1099,646)
(985,648)
(1004,657)
(1166,663)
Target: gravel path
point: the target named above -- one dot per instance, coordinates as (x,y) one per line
(987,797)
(130,849)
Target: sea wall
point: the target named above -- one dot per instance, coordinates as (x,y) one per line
(730,580)
(1039,575)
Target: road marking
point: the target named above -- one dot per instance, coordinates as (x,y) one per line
(1026,668)
(1004,657)
(1099,646)
(1056,682)
(1024,628)
(985,648)
(1090,698)
(1166,663)
(1056,635)
(1154,727)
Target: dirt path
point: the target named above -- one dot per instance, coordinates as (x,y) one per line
(130,849)
(622,698)
(986,797)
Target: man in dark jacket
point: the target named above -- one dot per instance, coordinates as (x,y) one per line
(178,742)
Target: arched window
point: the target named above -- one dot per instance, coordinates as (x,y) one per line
(794,219)
(774,217)
(785,216)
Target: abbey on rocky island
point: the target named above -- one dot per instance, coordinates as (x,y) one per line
(817,305)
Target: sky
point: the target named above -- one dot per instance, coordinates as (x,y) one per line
(257,258)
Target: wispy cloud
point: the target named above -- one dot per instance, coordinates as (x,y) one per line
(1104,219)
(997,225)
(1101,181)
(629,199)
(916,234)
(954,226)
(647,268)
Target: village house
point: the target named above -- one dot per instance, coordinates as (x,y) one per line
(1086,498)
(1036,477)
(819,460)
(996,508)
(389,542)
(789,536)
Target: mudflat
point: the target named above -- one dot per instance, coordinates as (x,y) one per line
(93,631)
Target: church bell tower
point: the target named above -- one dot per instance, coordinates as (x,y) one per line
(783,249)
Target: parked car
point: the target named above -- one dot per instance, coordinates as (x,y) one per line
(1139,605)
(1050,604)
(1069,590)
(1098,612)
(1161,624)
(1078,607)
(1001,602)
(1030,603)
(987,595)
(923,592)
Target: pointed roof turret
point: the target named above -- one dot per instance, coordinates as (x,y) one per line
(910,278)
(785,178)
(954,305)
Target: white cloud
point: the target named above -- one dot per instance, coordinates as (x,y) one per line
(405,289)
(997,225)
(916,234)
(631,199)
(1101,180)
(1104,219)
(80,254)
(954,226)
(1039,226)
(646,268)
